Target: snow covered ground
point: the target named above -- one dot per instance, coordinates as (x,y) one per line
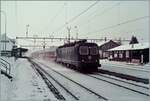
(27,85)
(112,92)
(142,71)
(5,82)
(4,88)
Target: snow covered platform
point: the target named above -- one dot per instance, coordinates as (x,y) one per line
(27,85)
(141,71)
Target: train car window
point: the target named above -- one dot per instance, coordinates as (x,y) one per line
(83,50)
(93,50)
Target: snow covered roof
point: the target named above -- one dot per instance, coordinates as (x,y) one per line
(103,42)
(131,47)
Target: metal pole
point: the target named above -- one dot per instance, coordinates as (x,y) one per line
(5,27)
(68,28)
(0,68)
(76,32)
(27,26)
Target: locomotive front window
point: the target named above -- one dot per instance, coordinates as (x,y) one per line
(83,50)
(93,50)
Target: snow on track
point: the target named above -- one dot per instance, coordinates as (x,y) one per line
(105,89)
(133,87)
(82,93)
(58,86)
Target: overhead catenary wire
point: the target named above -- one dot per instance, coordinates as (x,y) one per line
(119,24)
(101,13)
(74,18)
(54,17)
(77,16)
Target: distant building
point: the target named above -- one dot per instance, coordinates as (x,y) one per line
(19,52)
(7,45)
(104,46)
(135,53)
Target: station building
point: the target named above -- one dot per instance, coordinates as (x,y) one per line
(134,53)
(106,45)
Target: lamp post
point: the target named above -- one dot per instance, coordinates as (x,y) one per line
(5,29)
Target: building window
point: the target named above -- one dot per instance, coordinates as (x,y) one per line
(115,54)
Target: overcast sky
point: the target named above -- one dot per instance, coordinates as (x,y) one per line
(112,19)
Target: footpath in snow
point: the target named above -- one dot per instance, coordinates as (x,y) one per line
(27,85)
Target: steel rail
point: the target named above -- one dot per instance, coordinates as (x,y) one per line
(119,85)
(76,98)
(89,90)
(123,81)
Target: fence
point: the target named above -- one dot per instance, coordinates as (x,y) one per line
(6,67)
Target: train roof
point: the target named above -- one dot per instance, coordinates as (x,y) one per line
(73,43)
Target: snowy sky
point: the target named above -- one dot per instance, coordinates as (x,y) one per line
(112,19)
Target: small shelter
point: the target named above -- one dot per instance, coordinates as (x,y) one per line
(18,52)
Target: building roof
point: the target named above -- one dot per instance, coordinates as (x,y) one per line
(131,47)
(104,42)
(21,49)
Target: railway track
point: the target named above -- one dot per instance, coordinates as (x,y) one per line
(138,93)
(119,85)
(124,76)
(52,88)
(78,84)
(122,80)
